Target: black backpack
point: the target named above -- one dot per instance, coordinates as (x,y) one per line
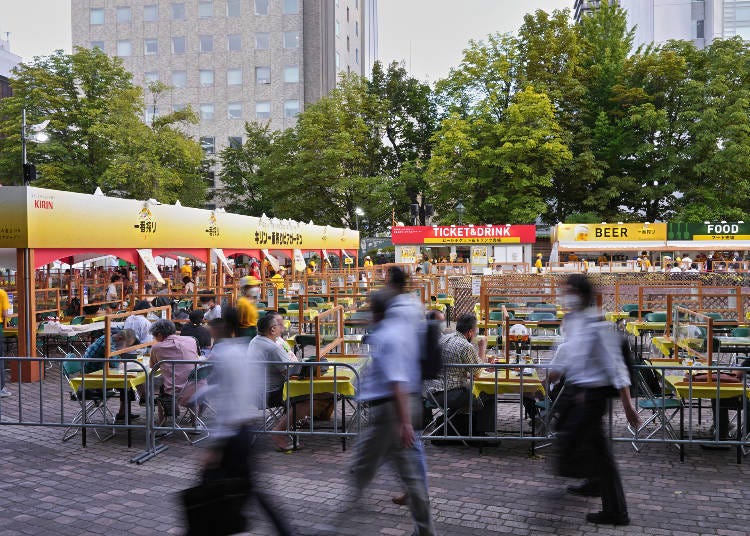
(649,377)
(430,359)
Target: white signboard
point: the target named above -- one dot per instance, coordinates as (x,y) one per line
(476,285)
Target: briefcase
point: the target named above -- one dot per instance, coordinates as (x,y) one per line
(214,508)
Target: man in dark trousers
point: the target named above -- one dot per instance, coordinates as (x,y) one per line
(591,361)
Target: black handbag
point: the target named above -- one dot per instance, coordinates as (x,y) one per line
(215,507)
(306,371)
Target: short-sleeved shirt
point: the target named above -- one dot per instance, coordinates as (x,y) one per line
(263,349)
(141,326)
(455,349)
(247,312)
(211,314)
(174,347)
(4,304)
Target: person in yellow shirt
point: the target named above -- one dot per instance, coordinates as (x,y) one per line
(186,270)
(368,262)
(247,309)
(538,265)
(644,262)
(4,308)
(278,278)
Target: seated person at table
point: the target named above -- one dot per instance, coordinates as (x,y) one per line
(120,339)
(211,309)
(174,376)
(139,323)
(264,348)
(196,330)
(188,286)
(456,348)
(111,296)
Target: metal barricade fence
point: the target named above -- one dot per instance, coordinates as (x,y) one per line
(187,412)
(524,384)
(66,400)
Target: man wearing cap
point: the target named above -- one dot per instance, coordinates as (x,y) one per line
(246,308)
(538,264)
(368,262)
(278,278)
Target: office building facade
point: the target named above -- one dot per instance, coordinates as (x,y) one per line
(232,61)
(699,21)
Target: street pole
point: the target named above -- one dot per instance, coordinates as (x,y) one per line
(28,274)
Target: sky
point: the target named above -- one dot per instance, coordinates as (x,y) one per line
(428,35)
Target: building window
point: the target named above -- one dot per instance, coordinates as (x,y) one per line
(152,112)
(150,13)
(356,28)
(235,142)
(347,43)
(178,108)
(338,60)
(206,77)
(178,11)
(151,76)
(291,74)
(96,16)
(356,56)
(234,8)
(124,48)
(338,28)
(234,42)
(291,108)
(263,110)
(262,41)
(178,45)
(210,177)
(97,44)
(234,77)
(208,144)
(124,15)
(291,39)
(234,110)
(261,7)
(179,78)
(205,9)
(150,47)
(291,7)
(207,112)
(262,75)
(206,43)
(347,13)
(699,29)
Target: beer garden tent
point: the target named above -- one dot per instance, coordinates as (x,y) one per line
(39,226)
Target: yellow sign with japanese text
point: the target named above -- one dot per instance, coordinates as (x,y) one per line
(611,232)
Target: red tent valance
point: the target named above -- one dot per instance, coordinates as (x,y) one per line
(44,256)
(199,253)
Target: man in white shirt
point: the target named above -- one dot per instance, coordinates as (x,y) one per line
(212,309)
(675,268)
(591,361)
(140,325)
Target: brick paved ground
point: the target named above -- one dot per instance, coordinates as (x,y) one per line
(47,487)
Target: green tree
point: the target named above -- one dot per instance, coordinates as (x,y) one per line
(503,168)
(331,162)
(410,119)
(97,137)
(244,171)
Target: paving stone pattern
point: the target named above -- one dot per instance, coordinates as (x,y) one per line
(50,487)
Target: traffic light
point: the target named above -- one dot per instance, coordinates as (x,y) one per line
(29,173)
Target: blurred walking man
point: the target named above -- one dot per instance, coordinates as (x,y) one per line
(391,385)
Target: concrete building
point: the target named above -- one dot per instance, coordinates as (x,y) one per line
(232,60)
(699,21)
(8,60)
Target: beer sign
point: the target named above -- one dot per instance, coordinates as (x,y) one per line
(611,232)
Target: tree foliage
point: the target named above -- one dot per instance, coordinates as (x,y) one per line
(96,135)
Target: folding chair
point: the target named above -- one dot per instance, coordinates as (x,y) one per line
(92,402)
(190,420)
(442,417)
(663,410)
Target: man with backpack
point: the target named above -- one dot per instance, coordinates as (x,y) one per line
(391,386)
